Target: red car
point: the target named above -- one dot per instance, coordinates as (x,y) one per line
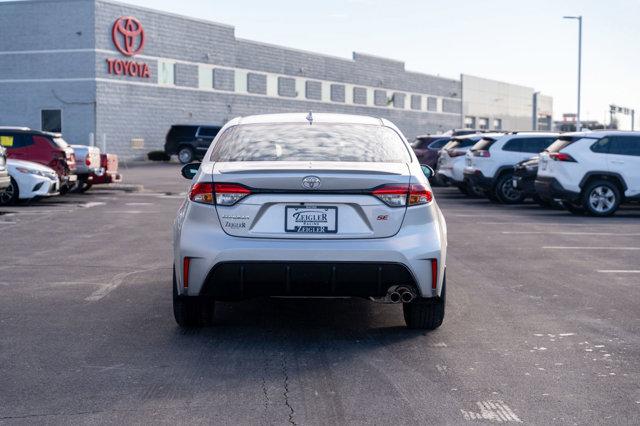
(109,169)
(427,148)
(45,148)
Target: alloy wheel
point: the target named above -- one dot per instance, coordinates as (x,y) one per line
(602,199)
(7,195)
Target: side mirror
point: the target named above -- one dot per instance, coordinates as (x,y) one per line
(188,171)
(428,171)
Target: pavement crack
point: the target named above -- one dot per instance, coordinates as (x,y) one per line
(285,374)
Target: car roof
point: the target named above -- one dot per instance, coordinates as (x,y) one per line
(533,133)
(599,133)
(433,136)
(478,135)
(301,117)
(28,130)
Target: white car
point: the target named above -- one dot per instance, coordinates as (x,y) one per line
(591,172)
(310,205)
(29,180)
(489,163)
(451,162)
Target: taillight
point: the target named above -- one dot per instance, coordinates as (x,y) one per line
(87,161)
(456,152)
(201,193)
(227,194)
(481,153)
(562,156)
(403,195)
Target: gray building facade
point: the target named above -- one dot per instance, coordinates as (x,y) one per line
(121,75)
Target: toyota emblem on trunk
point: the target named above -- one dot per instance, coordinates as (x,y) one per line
(311,182)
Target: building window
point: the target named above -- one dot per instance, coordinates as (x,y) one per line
(257,83)
(497,123)
(380,98)
(360,95)
(287,87)
(416,102)
(337,93)
(166,73)
(469,122)
(432,103)
(224,79)
(313,90)
(398,100)
(205,77)
(51,120)
(483,123)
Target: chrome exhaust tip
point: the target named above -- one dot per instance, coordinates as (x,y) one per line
(407,297)
(395,297)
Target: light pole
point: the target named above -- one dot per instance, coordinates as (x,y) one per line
(579,18)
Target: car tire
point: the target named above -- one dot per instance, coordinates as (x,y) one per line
(601,198)
(463,189)
(10,194)
(426,313)
(185,154)
(82,186)
(191,311)
(505,192)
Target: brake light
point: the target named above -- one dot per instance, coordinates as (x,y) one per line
(403,195)
(434,273)
(87,161)
(201,193)
(481,153)
(562,156)
(227,194)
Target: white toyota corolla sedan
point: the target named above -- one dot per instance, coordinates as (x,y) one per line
(308,205)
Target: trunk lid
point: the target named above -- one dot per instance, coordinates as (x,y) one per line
(312,200)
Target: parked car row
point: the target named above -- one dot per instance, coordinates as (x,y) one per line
(584,172)
(37,164)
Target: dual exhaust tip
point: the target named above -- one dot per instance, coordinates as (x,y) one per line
(401,294)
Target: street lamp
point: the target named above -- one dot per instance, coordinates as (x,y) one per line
(579,18)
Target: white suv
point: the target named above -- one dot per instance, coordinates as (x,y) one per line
(489,163)
(451,161)
(591,172)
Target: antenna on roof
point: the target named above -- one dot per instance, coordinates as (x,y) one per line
(309,117)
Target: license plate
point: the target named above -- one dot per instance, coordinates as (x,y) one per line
(73,178)
(311,219)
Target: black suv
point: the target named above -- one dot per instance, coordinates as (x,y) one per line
(189,141)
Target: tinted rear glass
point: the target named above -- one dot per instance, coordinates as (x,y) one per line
(208,131)
(439,143)
(182,131)
(561,143)
(483,144)
(304,142)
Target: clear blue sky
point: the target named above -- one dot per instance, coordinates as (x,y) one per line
(520,41)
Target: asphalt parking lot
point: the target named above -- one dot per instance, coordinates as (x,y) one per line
(542,325)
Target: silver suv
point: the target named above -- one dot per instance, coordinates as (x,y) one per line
(307,205)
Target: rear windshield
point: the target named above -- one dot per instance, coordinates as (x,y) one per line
(316,142)
(561,143)
(182,131)
(61,143)
(483,144)
(461,143)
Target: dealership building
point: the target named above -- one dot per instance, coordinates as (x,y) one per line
(119,76)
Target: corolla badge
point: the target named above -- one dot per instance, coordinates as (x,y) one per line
(311,182)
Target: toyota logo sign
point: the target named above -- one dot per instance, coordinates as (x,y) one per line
(311,182)
(128,35)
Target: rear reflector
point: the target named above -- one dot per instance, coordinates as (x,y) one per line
(434,273)
(481,153)
(185,271)
(403,195)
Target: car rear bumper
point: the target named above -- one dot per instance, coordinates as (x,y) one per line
(107,177)
(323,267)
(550,188)
(477,179)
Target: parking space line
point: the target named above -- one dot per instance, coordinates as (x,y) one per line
(618,271)
(572,233)
(589,248)
(592,225)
